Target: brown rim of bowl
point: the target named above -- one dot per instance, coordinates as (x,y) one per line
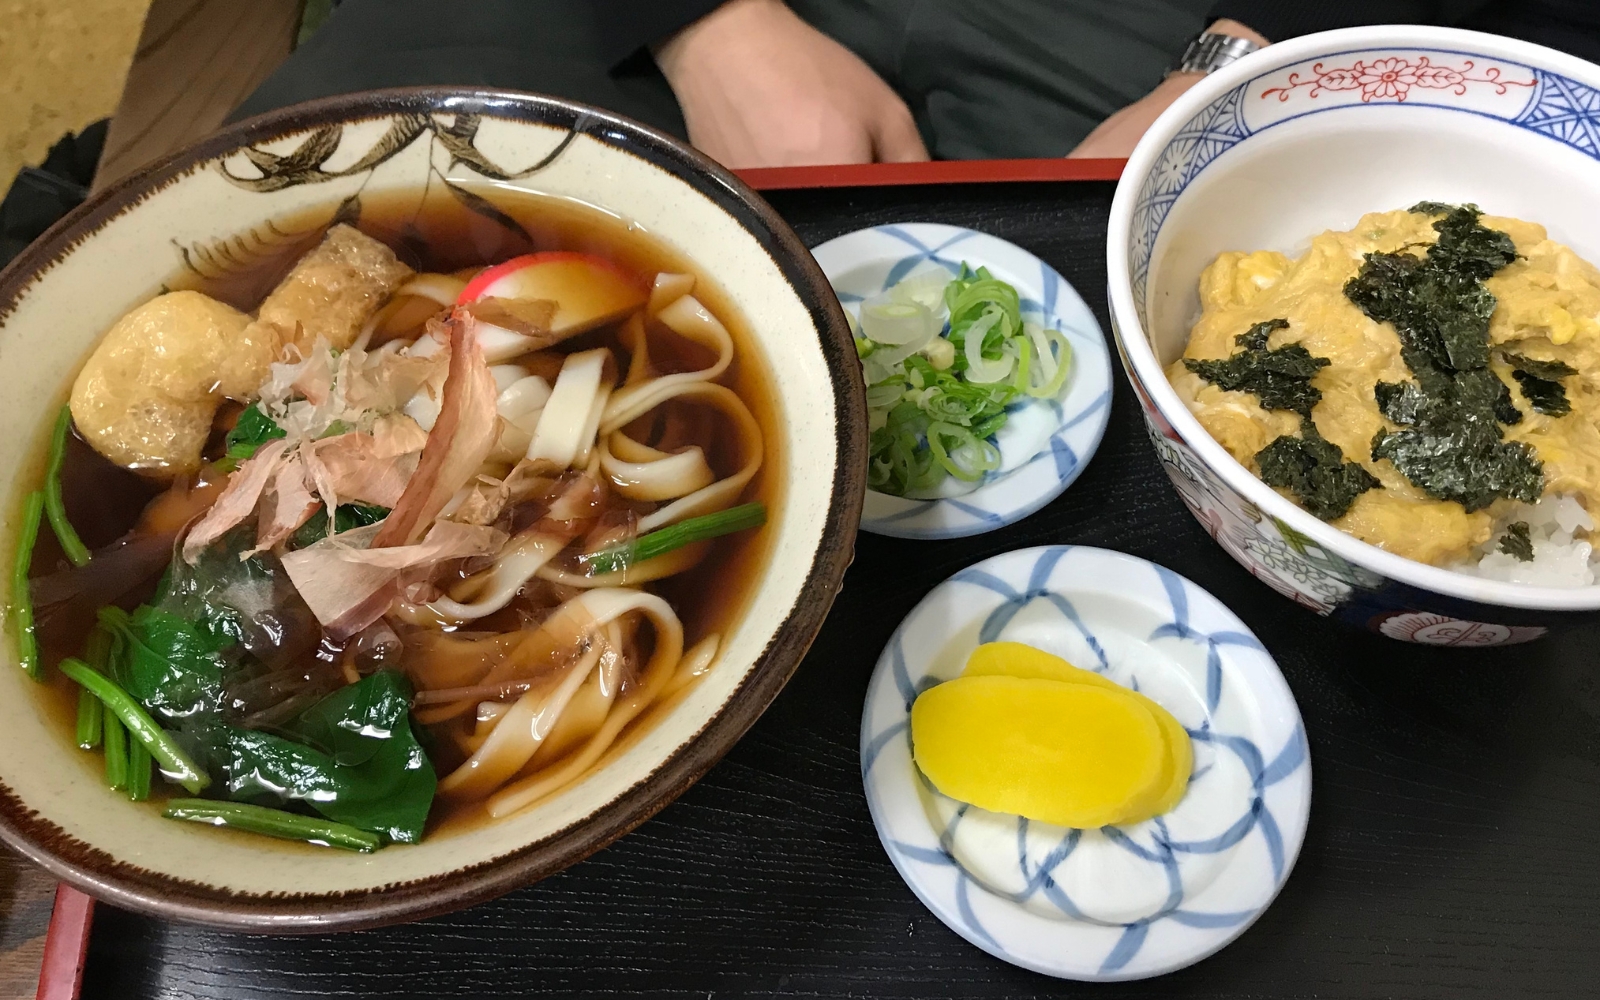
(134,888)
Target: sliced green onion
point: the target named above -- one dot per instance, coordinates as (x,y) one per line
(174,762)
(686,532)
(54,507)
(116,739)
(983,456)
(982,370)
(21,595)
(90,716)
(273,823)
(138,771)
(1061,359)
(1024,349)
(898,324)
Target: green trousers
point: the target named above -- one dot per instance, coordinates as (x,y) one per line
(984,78)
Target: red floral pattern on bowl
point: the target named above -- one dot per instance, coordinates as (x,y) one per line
(1393,77)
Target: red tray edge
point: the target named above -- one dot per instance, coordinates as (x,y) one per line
(66,945)
(67,941)
(933,172)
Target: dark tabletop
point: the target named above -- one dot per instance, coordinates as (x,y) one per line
(1451,851)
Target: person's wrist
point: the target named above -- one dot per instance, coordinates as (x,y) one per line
(680,50)
(1176,83)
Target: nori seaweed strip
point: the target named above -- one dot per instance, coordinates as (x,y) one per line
(1314,469)
(1541,382)
(1552,371)
(1549,398)
(1515,541)
(1279,378)
(1450,444)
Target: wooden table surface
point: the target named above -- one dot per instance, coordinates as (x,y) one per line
(26,896)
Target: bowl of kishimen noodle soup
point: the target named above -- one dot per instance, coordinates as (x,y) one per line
(411,493)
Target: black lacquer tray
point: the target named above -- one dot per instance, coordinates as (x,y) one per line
(1451,851)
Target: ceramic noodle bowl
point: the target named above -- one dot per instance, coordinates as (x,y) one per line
(1307,136)
(282,179)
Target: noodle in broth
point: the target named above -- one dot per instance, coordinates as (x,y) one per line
(547,479)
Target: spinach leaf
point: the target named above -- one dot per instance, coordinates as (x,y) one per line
(347,516)
(253,429)
(1451,443)
(171,666)
(1315,471)
(1280,378)
(1515,542)
(251,600)
(353,757)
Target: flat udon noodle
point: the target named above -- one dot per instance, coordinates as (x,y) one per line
(654,687)
(494,588)
(692,321)
(706,499)
(517,734)
(636,470)
(584,712)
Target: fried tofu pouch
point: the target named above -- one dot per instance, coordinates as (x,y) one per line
(333,291)
(148,394)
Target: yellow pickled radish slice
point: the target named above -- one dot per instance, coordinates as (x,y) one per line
(1016,659)
(1179,764)
(1068,754)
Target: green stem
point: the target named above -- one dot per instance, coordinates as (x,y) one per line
(138,771)
(116,739)
(174,762)
(21,596)
(686,532)
(54,507)
(90,716)
(273,823)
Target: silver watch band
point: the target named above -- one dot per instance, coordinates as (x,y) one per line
(1210,52)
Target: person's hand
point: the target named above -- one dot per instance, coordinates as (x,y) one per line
(1116,136)
(759,87)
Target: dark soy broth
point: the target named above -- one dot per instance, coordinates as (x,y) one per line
(434,230)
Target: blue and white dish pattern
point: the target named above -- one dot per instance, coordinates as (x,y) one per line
(1300,137)
(1048,442)
(1119,902)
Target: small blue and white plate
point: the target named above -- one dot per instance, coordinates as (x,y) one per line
(1047,442)
(1120,902)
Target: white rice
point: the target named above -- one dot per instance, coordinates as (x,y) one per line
(1562,555)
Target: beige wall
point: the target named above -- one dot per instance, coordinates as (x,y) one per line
(62,63)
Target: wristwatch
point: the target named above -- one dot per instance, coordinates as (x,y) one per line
(1210,52)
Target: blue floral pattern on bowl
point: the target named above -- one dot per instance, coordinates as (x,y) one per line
(1118,902)
(1037,467)
(1356,87)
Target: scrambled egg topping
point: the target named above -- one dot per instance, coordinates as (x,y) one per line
(1548,307)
